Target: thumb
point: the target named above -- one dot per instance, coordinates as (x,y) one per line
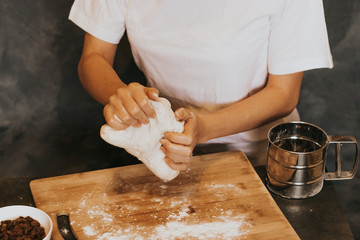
(152,93)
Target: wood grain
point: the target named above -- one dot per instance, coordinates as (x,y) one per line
(219,197)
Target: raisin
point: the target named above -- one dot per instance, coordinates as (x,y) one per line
(22,228)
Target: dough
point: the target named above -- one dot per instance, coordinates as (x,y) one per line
(144,142)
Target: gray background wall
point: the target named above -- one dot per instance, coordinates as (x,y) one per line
(50,126)
(331,98)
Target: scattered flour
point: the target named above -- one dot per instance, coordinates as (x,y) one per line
(89,230)
(226,187)
(179,218)
(100,212)
(223,229)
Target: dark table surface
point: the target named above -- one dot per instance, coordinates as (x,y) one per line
(316,218)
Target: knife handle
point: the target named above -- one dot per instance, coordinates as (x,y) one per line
(63,221)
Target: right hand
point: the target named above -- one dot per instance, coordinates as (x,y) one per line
(131,105)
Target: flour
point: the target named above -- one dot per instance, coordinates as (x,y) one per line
(178,218)
(88,230)
(224,186)
(225,227)
(100,212)
(222,229)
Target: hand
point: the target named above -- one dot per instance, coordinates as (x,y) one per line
(131,105)
(178,147)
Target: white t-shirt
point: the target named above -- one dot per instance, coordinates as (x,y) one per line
(213,52)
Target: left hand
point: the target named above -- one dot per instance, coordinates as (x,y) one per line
(178,147)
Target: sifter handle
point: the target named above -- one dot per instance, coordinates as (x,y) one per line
(339,174)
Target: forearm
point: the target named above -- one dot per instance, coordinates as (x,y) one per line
(269,104)
(98,77)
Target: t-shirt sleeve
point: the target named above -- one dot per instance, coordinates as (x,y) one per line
(298,38)
(103,19)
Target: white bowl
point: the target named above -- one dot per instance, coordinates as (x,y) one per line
(13,212)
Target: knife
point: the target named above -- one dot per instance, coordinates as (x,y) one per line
(63,221)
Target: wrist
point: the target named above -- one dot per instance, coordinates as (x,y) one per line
(203,128)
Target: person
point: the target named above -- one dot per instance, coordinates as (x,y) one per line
(231,69)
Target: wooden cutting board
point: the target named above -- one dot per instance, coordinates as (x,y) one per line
(219,197)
